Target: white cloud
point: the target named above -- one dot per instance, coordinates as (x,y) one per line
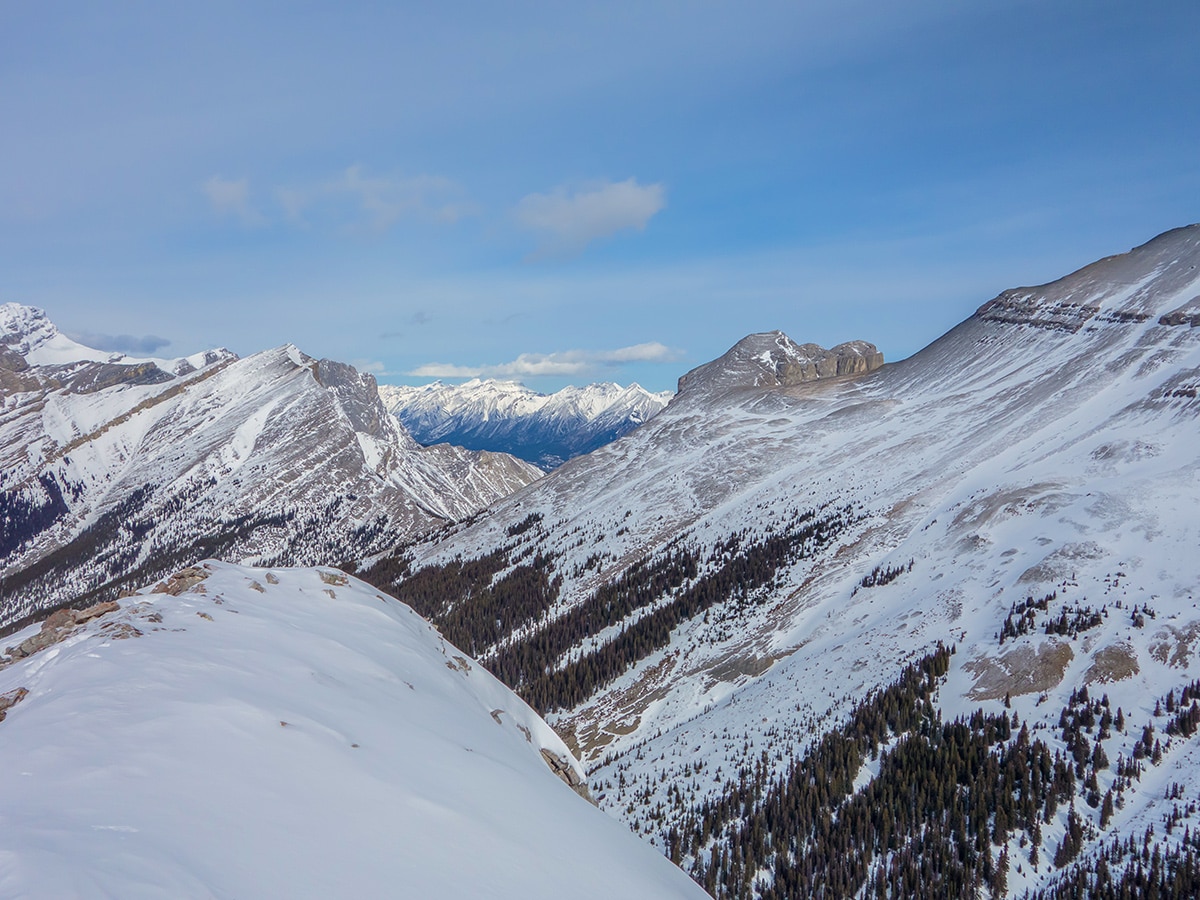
(570,220)
(562,363)
(376,201)
(232,198)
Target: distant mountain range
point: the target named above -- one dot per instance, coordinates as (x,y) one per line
(504,416)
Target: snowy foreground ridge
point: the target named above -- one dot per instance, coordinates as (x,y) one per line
(288,733)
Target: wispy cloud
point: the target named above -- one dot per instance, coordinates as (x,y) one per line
(377,202)
(120,343)
(372,366)
(230,197)
(569,220)
(563,363)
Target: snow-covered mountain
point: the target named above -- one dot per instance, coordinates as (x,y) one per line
(240,732)
(109,465)
(505,416)
(710,610)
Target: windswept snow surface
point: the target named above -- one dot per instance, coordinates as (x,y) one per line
(290,734)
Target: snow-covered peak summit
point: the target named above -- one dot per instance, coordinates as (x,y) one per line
(24,328)
(28,332)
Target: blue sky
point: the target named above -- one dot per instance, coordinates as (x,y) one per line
(570,192)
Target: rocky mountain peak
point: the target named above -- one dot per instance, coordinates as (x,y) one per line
(24,328)
(772,359)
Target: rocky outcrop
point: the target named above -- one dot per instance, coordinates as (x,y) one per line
(1187,314)
(57,626)
(564,770)
(181,581)
(1122,290)
(1025,307)
(9,699)
(772,359)
(1022,670)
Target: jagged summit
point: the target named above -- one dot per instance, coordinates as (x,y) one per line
(772,359)
(106,468)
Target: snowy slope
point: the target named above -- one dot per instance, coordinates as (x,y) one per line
(276,457)
(546,429)
(1047,445)
(289,733)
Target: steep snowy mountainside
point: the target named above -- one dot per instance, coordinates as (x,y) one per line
(718,590)
(545,429)
(241,732)
(277,457)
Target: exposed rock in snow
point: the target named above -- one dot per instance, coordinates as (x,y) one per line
(774,359)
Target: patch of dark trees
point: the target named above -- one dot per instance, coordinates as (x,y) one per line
(471,606)
(1022,617)
(735,572)
(26,512)
(881,575)
(1070,623)
(525,524)
(1132,869)
(939,817)
(946,795)
(480,610)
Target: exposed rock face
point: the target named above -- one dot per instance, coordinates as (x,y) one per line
(181,581)
(1118,290)
(58,625)
(772,359)
(564,770)
(9,699)
(1187,314)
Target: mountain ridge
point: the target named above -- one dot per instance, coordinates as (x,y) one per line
(109,466)
(545,429)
